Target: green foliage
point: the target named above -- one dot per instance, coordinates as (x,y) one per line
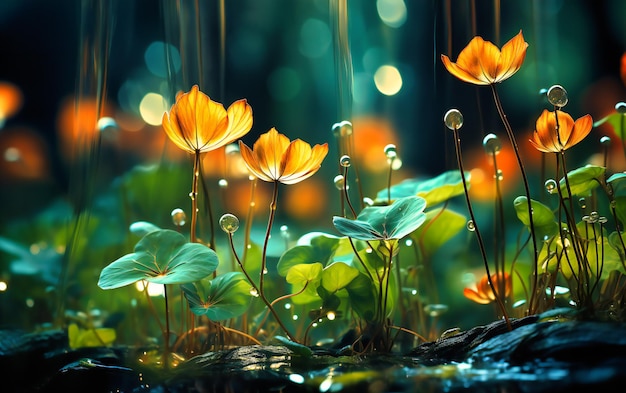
(582,180)
(435,191)
(224,297)
(162,257)
(544,221)
(384,222)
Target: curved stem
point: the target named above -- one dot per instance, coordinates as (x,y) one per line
(481,244)
(511,136)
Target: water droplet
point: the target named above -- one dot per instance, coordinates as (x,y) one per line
(620,107)
(396,164)
(471,226)
(229,223)
(179,218)
(344,161)
(582,202)
(492,144)
(543,91)
(557,96)
(435,310)
(594,216)
(602,220)
(453,119)
(287,306)
(251,177)
(284,232)
(108,128)
(605,141)
(408,242)
(368,201)
(339,182)
(254,292)
(343,128)
(390,151)
(223,183)
(550,185)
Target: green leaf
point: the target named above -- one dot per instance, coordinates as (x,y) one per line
(384,222)
(617,121)
(320,248)
(81,338)
(436,190)
(362,295)
(296,348)
(439,227)
(544,222)
(300,275)
(161,257)
(337,276)
(582,180)
(226,296)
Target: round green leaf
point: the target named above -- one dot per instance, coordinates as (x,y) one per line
(162,257)
(337,276)
(582,180)
(226,296)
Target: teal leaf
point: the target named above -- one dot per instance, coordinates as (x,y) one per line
(142,228)
(226,296)
(296,348)
(435,190)
(384,222)
(582,180)
(161,257)
(362,292)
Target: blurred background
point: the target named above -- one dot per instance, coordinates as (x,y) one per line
(84,84)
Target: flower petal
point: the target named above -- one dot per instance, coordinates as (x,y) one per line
(251,162)
(460,73)
(240,119)
(475,296)
(581,128)
(511,57)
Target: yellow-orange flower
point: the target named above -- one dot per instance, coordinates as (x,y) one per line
(274,158)
(482,63)
(197,124)
(483,294)
(547,139)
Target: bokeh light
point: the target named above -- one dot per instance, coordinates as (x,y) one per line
(388,80)
(152,107)
(392,12)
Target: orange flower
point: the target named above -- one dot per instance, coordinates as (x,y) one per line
(483,294)
(482,63)
(548,139)
(275,158)
(198,124)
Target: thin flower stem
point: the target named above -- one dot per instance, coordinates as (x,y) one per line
(500,254)
(481,244)
(194,197)
(345,193)
(166,335)
(258,290)
(389,181)
(509,131)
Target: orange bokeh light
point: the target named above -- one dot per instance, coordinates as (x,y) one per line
(24,155)
(371,135)
(306,200)
(10,100)
(77,124)
(483,175)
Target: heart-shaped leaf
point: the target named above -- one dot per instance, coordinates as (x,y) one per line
(384,222)
(162,257)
